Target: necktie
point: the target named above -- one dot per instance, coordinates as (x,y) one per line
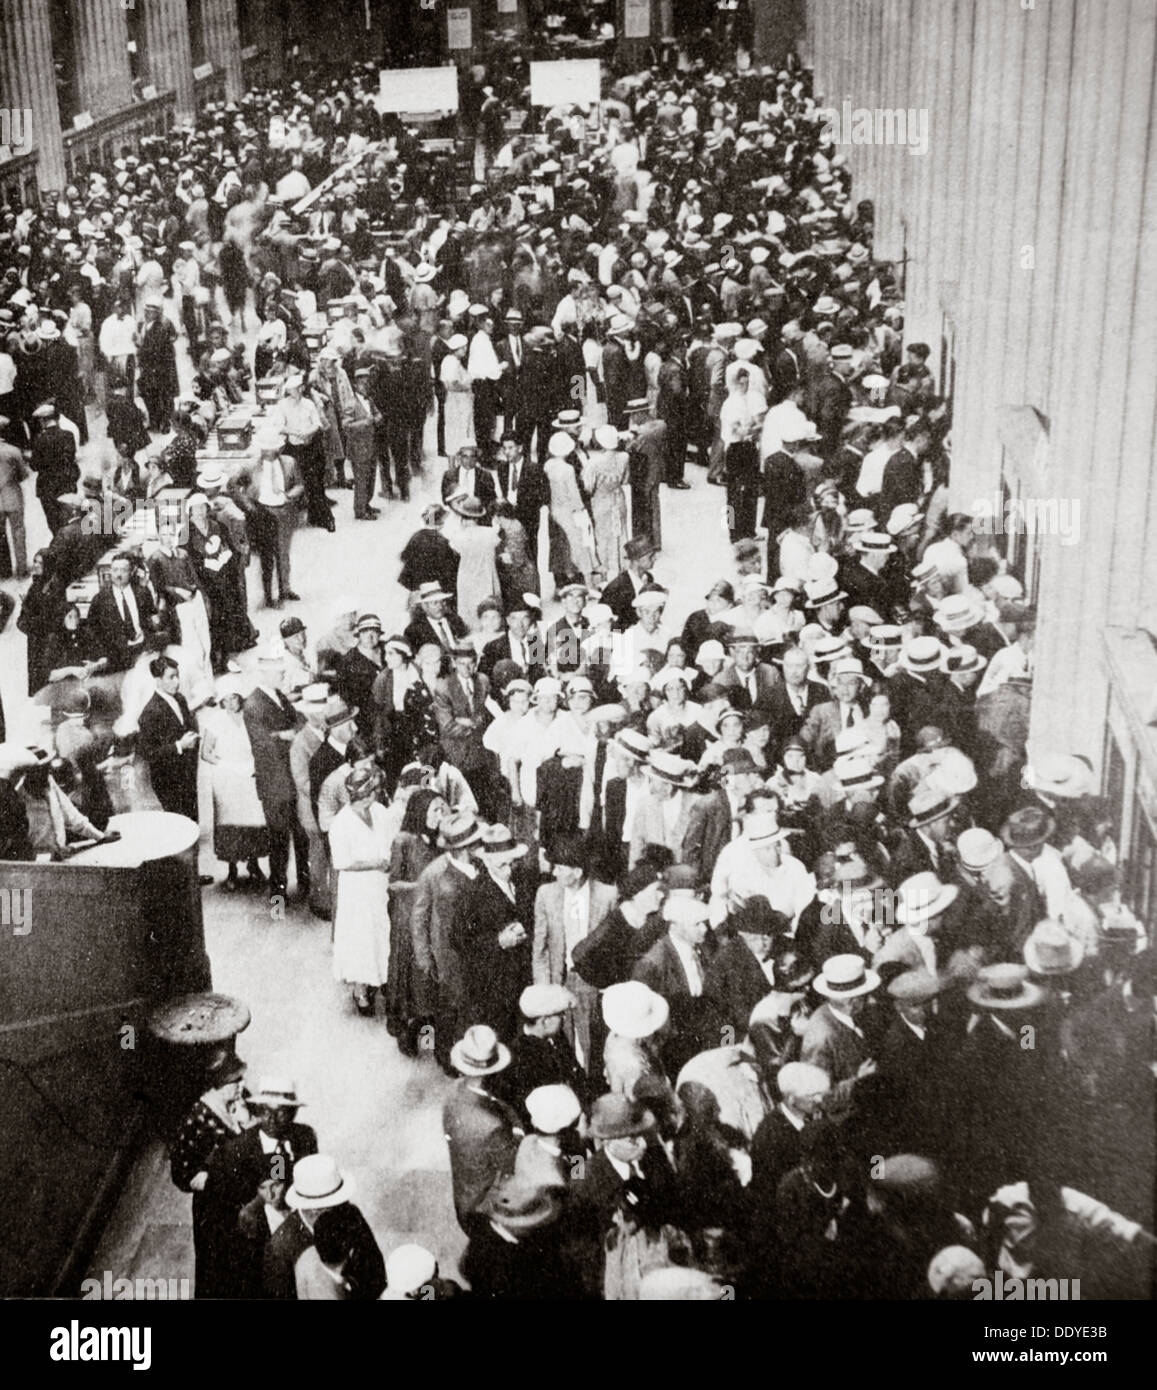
(847,716)
(444,633)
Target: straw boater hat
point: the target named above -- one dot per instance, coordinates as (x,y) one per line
(1060,775)
(479,1053)
(499,844)
(1004,987)
(921,655)
(633,1010)
(928,804)
(957,613)
(857,773)
(276,1093)
(978,848)
(822,591)
(962,661)
(317,1184)
(845,977)
(1050,950)
(679,771)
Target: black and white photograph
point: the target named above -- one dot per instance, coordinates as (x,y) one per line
(578,666)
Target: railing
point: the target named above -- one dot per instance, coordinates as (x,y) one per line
(103,141)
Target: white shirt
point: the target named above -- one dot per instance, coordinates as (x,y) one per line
(789,888)
(117,336)
(272,491)
(872,470)
(126,602)
(482,361)
(1011,663)
(576,916)
(690,963)
(1051,877)
(951,564)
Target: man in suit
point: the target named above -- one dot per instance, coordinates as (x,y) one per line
(541,394)
(248,1176)
(794,698)
(439,351)
(844,711)
(463,477)
(524,487)
(831,399)
(903,479)
(749,682)
(520,643)
(715,819)
(916,690)
(676,967)
(318,1187)
(435,623)
(54,463)
(620,594)
(167,741)
(462,715)
(834,1039)
(565,635)
(541,1053)
(663,811)
(12,472)
(788,372)
(482,1131)
(442,893)
(904,1098)
(271,722)
(279,491)
(122,617)
(510,349)
(565,913)
(927,846)
(777,1145)
(785,488)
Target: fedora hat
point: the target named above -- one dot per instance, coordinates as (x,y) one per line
(545,1001)
(498,842)
(409,1268)
(962,661)
(425,273)
(317,1184)
(616,1117)
(639,546)
(468,507)
(1027,828)
(978,848)
(1050,950)
(479,1053)
(1004,986)
(430,591)
(633,1010)
(845,977)
(635,744)
(923,897)
(1060,775)
(552,1108)
(822,591)
(519,1206)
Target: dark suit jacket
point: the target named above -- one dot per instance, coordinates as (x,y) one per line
(159,731)
(499,650)
(533,495)
(903,481)
(776,1149)
(482,1134)
(264,719)
(462,747)
(112,635)
(54,462)
(820,730)
(767,681)
(708,830)
(619,596)
(419,632)
(781,713)
(366,1269)
(917,704)
(484,488)
(564,645)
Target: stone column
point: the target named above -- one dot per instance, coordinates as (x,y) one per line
(27,84)
(272,26)
(103,77)
(168,58)
(223,43)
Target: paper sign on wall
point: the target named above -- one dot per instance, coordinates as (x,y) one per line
(569,81)
(507,6)
(636,19)
(458,35)
(418,89)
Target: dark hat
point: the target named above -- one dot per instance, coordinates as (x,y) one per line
(616,1117)
(738,759)
(638,546)
(460,830)
(291,626)
(1027,828)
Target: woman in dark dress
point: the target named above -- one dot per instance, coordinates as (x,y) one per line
(40,616)
(404,724)
(68,651)
(218,1115)
(414,847)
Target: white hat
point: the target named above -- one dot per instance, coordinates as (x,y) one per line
(561,445)
(545,1001)
(978,848)
(408,1268)
(923,896)
(607,437)
(845,977)
(317,1184)
(685,910)
(633,1010)
(552,1108)
(921,654)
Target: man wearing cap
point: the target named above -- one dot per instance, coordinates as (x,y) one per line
(482,1131)
(435,621)
(566,911)
(647,456)
(541,1053)
(248,1176)
(54,463)
(319,1188)
(271,723)
(442,894)
(777,1145)
(834,1039)
(845,710)
(785,489)
(831,399)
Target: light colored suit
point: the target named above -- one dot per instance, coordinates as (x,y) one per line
(650,827)
(548,962)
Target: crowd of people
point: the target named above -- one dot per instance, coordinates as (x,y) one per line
(764,956)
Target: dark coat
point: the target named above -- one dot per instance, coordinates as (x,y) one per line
(365,1270)
(619,596)
(482,1133)
(264,720)
(173,773)
(111,635)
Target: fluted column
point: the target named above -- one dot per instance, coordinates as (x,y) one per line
(168,58)
(223,43)
(27,82)
(273,36)
(100,37)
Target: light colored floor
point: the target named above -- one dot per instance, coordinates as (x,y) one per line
(376,1111)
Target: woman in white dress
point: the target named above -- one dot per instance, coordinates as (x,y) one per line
(477,546)
(239,830)
(459,395)
(361,840)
